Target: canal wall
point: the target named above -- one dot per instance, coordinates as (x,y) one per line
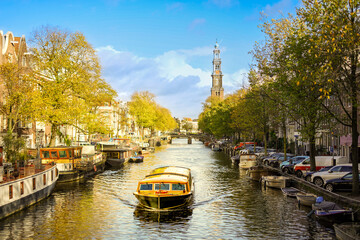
(340,199)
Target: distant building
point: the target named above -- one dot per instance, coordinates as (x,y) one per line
(217,90)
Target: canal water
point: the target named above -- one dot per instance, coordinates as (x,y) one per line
(227,205)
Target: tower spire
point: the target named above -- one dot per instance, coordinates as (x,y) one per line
(217,90)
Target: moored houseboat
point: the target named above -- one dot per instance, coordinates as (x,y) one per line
(72,164)
(27,189)
(166,188)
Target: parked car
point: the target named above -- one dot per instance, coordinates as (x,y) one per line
(288,167)
(307,176)
(321,161)
(266,160)
(275,162)
(337,171)
(294,159)
(343,183)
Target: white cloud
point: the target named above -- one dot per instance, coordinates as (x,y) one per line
(196,23)
(277,8)
(178,86)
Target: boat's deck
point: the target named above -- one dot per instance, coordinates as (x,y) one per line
(23,172)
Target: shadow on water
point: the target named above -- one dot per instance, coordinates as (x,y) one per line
(169,216)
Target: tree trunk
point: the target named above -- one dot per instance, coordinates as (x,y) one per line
(53,135)
(354,143)
(284,140)
(312,154)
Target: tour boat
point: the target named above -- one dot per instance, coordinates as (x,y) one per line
(31,186)
(72,164)
(247,161)
(166,188)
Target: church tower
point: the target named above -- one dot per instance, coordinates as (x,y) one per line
(217,90)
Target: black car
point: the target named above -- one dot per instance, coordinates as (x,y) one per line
(344,183)
(307,176)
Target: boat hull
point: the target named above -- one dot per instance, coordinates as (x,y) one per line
(164,202)
(306,200)
(30,196)
(115,162)
(136,159)
(334,216)
(275,181)
(257,172)
(347,231)
(75,175)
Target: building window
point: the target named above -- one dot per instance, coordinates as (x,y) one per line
(11,192)
(34,183)
(44,179)
(21,188)
(24,61)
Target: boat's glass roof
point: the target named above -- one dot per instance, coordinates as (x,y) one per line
(171,169)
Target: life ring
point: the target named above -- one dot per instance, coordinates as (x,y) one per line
(95,168)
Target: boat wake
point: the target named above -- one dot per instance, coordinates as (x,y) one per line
(214,199)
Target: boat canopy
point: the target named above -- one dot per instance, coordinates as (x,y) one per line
(182,171)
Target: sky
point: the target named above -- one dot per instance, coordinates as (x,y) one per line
(161,46)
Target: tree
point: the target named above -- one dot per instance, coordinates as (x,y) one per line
(335,32)
(296,74)
(149,114)
(67,71)
(18,94)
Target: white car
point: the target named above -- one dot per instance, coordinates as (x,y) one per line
(338,171)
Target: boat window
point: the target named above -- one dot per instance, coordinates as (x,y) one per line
(164,186)
(178,186)
(62,154)
(11,192)
(146,186)
(34,183)
(54,154)
(21,188)
(45,154)
(44,179)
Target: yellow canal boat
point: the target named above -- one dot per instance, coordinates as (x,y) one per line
(166,188)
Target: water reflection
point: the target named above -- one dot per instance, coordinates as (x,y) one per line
(227,205)
(170,216)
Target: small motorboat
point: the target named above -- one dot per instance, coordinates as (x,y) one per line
(235,159)
(247,161)
(306,199)
(331,212)
(275,181)
(347,231)
(166,188)
(257,172)
(291,191)
(136,159)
